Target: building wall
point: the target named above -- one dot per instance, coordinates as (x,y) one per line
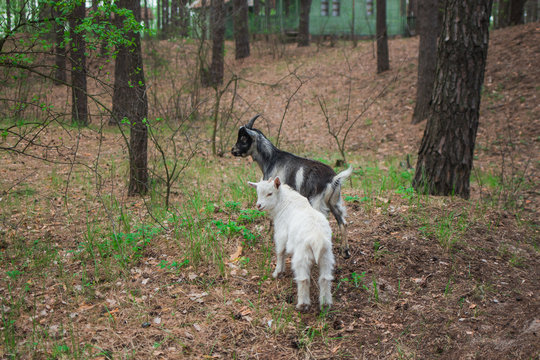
(364,18)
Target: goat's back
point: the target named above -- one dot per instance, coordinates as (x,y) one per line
(298,222)
(308,177)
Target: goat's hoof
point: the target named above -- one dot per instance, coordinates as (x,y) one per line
(303,308)
(345,253)
(277,275)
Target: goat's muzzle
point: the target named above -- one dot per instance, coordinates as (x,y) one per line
(236,152)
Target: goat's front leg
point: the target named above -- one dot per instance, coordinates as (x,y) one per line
(280,264)
(280,255)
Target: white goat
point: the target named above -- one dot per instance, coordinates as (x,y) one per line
(300,231)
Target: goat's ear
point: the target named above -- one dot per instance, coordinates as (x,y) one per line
(250,123)
(277,182)
(252,184)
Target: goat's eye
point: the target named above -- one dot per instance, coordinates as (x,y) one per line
(269,194)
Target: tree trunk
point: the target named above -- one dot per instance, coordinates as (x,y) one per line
(428,28)
(217,28)
(532,11)
(446,154)
(383,62)
(511,12)
(146,15)
(303,26)
(79,101)
(159,26)
(8,14)
(516,12)
(184,18)
(107,19)
(175,18)
(165,19)
(241,30)
(256,7)
(130,102)
(60,75)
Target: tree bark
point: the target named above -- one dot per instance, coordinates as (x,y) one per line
(130,102)
(446,154)
(516,11)
(158,15)
(8,14)
(241,29)
(146,15)
(428,28)
(383,63)
(510,12)
(303,26)
(60,75)
(164,19)
(217,28)
(532,11)
(175,17)
(79,101)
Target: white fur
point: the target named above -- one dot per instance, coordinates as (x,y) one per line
(299,178)
(300,231)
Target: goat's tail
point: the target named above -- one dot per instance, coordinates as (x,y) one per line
(339,178)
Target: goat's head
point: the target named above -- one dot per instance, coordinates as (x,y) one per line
(246,141)
(267,193)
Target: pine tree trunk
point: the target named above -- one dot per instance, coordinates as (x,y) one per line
(184,18)
(516,12)
(383,62)
(241,30)
(217,28)
(303,26)
(146,15)
(286,7)
(130,102)
(60,75)
(8,14)
(79,104)
(446,154)
(532,11)
(510,12)
(428,28)
(159,28)
(164,18)
(175,17)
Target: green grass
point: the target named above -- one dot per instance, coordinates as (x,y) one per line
(212,213)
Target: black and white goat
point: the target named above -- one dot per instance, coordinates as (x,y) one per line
(316,181)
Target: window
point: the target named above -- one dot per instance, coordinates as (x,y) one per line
(335,7)
(369,7)
(324,7)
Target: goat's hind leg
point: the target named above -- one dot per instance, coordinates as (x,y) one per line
(326,266)
(339,213)
(301,266)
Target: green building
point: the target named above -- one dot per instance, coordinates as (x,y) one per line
(330,17)
(327,17)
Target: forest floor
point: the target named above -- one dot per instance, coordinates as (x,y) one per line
(428,277)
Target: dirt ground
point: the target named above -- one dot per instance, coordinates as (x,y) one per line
(400,295)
